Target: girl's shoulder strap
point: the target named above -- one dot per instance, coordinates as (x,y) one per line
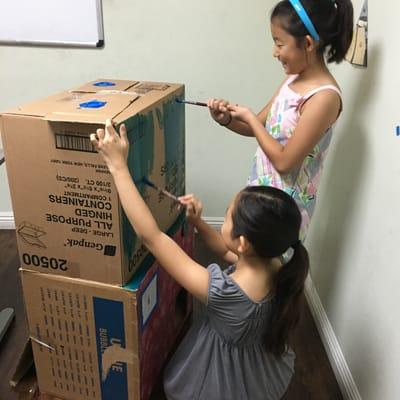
(311,93)
(290,79)
(320,89)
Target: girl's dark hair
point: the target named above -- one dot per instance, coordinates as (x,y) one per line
(270,220)
(332,19)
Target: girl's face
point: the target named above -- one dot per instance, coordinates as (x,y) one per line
(286,49)
(226,229)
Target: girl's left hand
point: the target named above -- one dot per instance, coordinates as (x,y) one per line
(113,147)
(194,207)
(240,113)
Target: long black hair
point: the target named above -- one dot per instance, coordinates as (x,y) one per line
(332,19)
(270,220)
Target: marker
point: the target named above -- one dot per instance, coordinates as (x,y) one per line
(194,103)
(397,130)
(163,191)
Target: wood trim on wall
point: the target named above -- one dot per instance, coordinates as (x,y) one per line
(7,220)
(337,360)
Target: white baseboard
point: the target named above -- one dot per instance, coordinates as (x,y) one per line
(7,220)
(215,222)
(337,360)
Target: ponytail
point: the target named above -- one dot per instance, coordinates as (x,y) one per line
(289,289)
(270,220)
(341,36)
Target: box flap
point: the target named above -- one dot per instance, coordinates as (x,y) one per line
(18,111)
(150,93)
(100,85)
(65,106)
(28,274)
(145,87)
(90,107)
(40,108)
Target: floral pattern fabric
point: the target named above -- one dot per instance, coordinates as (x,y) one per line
(301,184)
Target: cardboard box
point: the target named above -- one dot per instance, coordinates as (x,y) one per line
(94,341)
(67,213)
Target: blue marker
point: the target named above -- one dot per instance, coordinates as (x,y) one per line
(398,130)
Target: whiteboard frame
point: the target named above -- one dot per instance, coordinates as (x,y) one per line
(54,43)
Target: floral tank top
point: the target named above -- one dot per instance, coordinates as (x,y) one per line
(302,183)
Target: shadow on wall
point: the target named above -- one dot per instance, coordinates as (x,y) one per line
(331,234)
(341,195)
(369,366)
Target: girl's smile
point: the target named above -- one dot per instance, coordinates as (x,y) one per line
(286,49)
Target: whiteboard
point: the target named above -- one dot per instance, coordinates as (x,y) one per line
(51,22)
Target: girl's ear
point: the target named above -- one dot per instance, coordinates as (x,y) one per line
(309,43)
(244,245)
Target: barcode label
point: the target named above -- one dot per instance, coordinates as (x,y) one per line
(74,142)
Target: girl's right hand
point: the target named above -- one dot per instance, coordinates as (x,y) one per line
(113,147)
(194,207)
(219,111)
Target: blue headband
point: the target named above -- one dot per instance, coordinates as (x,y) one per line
(304,18)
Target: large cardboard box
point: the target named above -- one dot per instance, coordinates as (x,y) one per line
(67,212)
(97,341)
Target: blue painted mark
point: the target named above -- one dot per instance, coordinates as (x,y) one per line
(174,140)
(159,118)
(110,329)
(397,130)
(104,84)
(141,135)
(93,104)
(149,260)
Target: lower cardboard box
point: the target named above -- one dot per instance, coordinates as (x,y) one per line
(93,340)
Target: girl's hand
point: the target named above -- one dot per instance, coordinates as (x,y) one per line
(194,207)
(113,147)
(241,113)
(219,111)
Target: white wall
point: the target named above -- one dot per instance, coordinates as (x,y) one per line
(356,229)
(223,48)
(218,49)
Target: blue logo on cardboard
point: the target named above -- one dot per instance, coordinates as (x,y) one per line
(111,352)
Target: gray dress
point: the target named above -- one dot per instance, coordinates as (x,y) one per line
(224,358)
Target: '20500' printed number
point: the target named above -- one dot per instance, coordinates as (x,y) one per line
(44,262)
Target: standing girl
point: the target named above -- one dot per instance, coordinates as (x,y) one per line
(241,349)
(294,129)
